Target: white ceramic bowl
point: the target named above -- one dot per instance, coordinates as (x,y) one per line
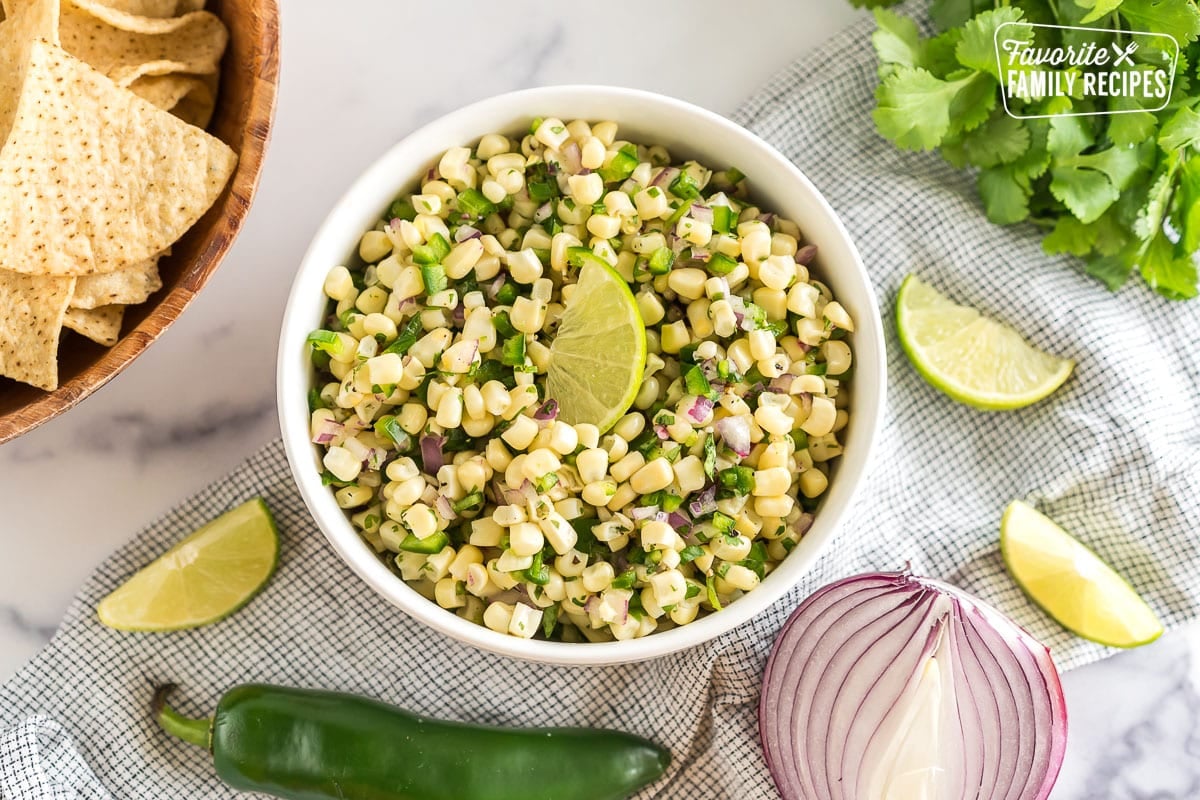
(688,132)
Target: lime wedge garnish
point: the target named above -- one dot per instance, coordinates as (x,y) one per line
(599,354)
(1071,583)
(973,359)
(205,578)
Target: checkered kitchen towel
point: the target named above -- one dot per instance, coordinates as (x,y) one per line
(1115,456)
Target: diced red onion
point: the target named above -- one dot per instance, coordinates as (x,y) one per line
(892,685)
(700,409)
(644,512)
(678,520)
(494,286)
(709,368)
(466,232)
(701,213)
(665,177)
(431,453)
(459,316)
(548,411)
(766,217)
(735,433)
(572,157)
(327,430)
(431,175)
(781,384)
(805,401)
(803,524)
(543,212)
(705,502)
(700,256)
(806,254)
(527,492)
(444,509)
(375,458)
(661,432)
(676,244)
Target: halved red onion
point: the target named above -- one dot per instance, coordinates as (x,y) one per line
(887,685)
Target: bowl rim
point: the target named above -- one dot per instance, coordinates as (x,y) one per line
(292,384)
(235,200)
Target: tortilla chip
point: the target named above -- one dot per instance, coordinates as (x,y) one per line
(126,286)
(188,97)
(159,9)
(35,19)
(32,308)
(101,325)
(93,178)
(192,43)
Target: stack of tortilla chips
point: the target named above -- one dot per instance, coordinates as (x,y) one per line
(104,163)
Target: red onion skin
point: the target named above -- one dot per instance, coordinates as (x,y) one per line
(1011,724)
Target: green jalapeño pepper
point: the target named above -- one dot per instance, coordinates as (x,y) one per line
(301,744)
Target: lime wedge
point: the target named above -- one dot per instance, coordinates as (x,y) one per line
(1071,583)
(599,354)
(203,579)
(973,359)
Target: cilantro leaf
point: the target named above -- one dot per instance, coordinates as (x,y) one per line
(977,49)
(1150,217)
(1168,272)
(974,102)
(1087,193)
(1070,236)
(1097,9)
(1001,140)
(955,13)
(896,39)
(1131,126)
(1112,270)
(1181,130)
(914,107)
(1181,20)
(1188,215)
(938,54)
(1005,199)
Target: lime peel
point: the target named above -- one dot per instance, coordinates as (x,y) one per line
(598,356)
(206,577)
(969,357)
(1071,583)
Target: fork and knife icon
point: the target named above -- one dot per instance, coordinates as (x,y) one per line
(1124,55)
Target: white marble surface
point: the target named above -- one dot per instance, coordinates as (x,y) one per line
(356,77)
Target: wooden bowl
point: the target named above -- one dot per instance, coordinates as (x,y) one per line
(242,119)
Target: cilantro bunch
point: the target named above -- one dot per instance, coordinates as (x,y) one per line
(1121,191)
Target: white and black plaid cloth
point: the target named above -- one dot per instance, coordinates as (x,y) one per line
(1114,456)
